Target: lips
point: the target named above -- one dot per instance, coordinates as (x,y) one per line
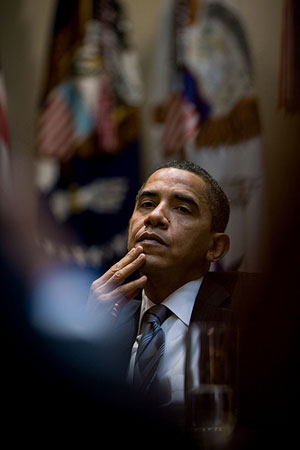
(151,237)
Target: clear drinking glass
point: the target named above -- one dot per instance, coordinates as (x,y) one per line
(211,382)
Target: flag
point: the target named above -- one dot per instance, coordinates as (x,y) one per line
(57,129)
(5,163)
(88,135)
(182,108)
(3,118)
(208,43)
(64,121)
(184,113)
(106,125)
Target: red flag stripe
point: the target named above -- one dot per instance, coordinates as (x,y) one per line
(172,128)
(56,139)
(51,133)
(173,131)
(174,137)
(60,144)
(55,127)
(181,125)
(56,133)
(174,113)
(54,114)
(3,125)
(106,126)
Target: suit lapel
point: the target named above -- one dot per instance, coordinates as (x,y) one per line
(213,300)
(128,321)
(121,339)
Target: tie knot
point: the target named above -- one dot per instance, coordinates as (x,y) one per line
(157,314)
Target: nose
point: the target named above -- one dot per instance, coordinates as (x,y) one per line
(157,218)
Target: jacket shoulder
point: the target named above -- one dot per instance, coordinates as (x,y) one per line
(222,293)
(235,280)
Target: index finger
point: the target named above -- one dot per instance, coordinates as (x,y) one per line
(125,261)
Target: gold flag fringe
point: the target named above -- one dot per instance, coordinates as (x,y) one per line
(240,124)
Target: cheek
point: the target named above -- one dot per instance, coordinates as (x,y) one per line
(182,239)
(192,241)
(134,226)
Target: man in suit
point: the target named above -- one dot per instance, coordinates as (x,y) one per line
(176,231)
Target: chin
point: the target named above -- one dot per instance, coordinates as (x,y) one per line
(153,264)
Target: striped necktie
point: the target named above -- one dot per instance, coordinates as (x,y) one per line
(151,347)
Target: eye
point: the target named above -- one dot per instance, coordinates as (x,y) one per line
(183,209)
(147,204)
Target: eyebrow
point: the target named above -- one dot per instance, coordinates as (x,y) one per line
(186,198)
(147,194)
(142,194)
(178,195)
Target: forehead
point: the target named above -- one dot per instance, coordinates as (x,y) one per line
(173,180)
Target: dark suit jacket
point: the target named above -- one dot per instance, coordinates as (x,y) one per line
(220,298)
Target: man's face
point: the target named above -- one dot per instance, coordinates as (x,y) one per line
(172,222)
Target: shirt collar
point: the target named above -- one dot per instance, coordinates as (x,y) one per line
(181,309)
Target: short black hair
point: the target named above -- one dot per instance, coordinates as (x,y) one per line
(217,199)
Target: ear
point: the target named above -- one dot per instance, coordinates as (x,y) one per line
(219,247)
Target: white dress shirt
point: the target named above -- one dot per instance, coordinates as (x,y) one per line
(172,367)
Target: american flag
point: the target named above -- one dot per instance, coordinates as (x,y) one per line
(5,164)
(181,123)
(185,112)
(105,121)
(3,119)
(56,130)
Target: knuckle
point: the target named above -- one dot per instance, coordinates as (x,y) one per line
(98,292)
(94,285)
(122,291)
(105,298)
(97,284)
(115,267)
(118,275)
